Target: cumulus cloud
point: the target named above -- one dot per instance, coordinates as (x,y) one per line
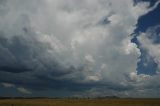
(150,41)
(56,44)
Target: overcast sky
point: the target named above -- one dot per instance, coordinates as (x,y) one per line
(80,48)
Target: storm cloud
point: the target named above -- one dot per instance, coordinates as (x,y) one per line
(73,46)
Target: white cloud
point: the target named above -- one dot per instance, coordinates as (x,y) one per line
(20,89)
(92,78)
(8,85)
(148,44)
(89,58)
(139,78)
(71,30)
(146,85)
(23,90)
(129,47)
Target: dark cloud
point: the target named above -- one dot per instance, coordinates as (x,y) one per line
(105,21)
(14,69)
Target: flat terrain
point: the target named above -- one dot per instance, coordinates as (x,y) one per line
(80,102)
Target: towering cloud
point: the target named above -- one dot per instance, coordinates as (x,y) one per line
(70,45)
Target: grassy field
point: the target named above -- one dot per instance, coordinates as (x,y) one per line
(80,102)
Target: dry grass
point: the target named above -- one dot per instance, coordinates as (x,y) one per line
(80,102)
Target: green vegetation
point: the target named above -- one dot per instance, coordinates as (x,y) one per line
(80,102)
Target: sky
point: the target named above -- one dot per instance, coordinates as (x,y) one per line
(80,48)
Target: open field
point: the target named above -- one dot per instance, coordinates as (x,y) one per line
(80,102)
